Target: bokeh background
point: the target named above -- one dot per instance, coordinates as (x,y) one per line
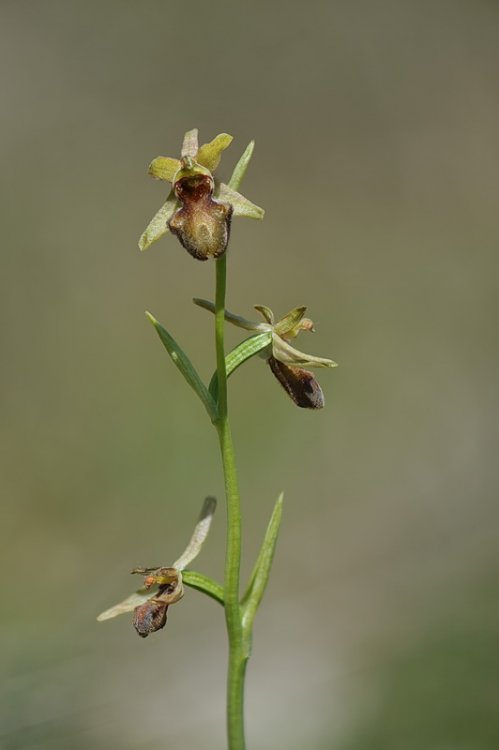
(376,160)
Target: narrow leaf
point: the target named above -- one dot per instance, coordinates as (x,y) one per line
(260,576)
(242,352)
(205,584)
(182,361)
(241,167)
(158,226)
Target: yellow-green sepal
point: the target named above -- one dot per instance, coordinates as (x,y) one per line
(158,226)
(209,154)
(164,168)
(241,205)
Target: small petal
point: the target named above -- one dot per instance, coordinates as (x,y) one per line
(299,384)
(289,325)
(242,206)
(209,154)
(190,145)
(164,168)
(158,226)
(266,312)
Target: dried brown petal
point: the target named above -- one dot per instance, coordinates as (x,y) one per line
(299,384)
(150,617)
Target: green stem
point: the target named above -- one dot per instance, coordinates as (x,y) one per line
(237,658)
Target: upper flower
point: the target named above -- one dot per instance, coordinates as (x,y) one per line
(198,209)
(284,360)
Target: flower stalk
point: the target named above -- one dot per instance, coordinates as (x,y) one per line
(198,211)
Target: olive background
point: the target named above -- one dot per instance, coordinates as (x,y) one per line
(377,163)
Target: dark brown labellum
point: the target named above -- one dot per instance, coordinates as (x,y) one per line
(202,224)
(150,617)
(299,384)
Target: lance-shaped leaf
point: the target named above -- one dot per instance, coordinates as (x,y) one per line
(240,354)
(209,154)
(182,361)
(158,226)
(261,572)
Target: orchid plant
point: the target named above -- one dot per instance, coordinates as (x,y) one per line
(198,210)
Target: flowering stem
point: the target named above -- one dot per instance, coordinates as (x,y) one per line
(237,657)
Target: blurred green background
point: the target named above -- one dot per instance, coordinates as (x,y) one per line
(376,160)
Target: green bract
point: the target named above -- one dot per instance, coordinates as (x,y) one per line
(198,209)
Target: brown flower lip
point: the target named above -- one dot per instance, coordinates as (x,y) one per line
(299,384)
(202,224)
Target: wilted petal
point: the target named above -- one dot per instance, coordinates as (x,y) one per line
(198,535)
(164,168)
(209,154)
(299,384)
(128,604)
(158,226)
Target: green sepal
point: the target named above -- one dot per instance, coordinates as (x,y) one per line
(209,154)
(241,205)
(158,226)
(164,168)
(241,167)
(266,312)
(236,320)
(182,361)
(261,572)
(242,352)
(205,584)
(290,321)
